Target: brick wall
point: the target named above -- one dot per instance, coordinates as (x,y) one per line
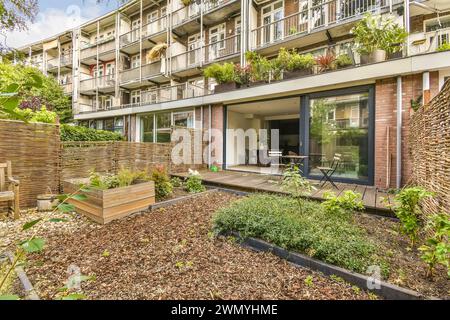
(386,126)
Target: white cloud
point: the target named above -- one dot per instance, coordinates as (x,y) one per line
(53,21)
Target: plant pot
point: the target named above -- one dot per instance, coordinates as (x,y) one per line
(104,206)
(225,87)
(365,59)
(377,56)
(296,73)
(46,202)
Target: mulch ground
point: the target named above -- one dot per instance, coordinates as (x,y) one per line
(171,254)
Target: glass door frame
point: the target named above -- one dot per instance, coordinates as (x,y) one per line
(305,111)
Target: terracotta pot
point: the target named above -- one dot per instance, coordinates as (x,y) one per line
(225,87)
(296,73)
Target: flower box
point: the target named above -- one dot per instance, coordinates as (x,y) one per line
(104,206)
(225,87)
(296,73)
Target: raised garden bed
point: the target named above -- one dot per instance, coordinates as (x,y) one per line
(104,206)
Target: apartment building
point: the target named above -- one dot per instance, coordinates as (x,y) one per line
(138,71)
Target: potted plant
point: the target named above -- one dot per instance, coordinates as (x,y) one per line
(243,75)
(343,61)
(443,47)
(326,62)
(224,74)
(299,65)
(378,36)
(111,197)
(261,68)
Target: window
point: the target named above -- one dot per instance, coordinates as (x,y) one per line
(339,125)
(271,17)
(119,125)
(148,128)
(136,97)
(217,41)
(107,103)
(163,127)
(136,61)
(193,46)
(183,119)
(237,32)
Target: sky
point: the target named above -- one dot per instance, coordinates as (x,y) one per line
(56,16)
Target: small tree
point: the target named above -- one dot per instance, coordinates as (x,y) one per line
(296,185)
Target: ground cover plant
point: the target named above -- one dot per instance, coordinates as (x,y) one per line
(313,230)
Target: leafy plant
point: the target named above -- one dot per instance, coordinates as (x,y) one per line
(222,73)
(296,185)
(123,178)
(326,62)
(378,32)
(176,182)
(443,47)
(301,62)
(417,103)
(261,67)
(75,133)
(349,202)
(344,60)
(276,219)
(243,74)
(163,187)
(436,249)
(28,115)
(408,210)
(194,182)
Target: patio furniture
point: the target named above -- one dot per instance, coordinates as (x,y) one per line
(276,157)
(328,172)
(9,188)
(295,160)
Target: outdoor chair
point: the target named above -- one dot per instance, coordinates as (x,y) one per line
(276,157)
(9,189)
(328,172)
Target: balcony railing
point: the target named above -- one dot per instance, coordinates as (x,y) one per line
(187,60)
(193,10)
(223,48)
(148,70)
(103,82)
(90,50)
(154,27)
(130,37)
(62,61)
(429,41)
(309,19)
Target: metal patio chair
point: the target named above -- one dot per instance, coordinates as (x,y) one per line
(328,172)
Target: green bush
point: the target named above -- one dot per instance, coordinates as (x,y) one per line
(321,235)
(40,116)
(301,62)
(75,133)
(346,204)
(194,182)
(444,47)
(163,187)
(223,73)
(124,178)
(344,60)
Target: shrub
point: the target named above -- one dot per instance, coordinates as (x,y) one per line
(163,187)
(223,73)
(261,67)
(124,178)
(42,116)
(436,249)
(74,133)
(443,47)
(326,62)
(296,185)
(344,60)
(176,182)
(301,62)
(194,182)
(348,203)
(407,209)
(316,233)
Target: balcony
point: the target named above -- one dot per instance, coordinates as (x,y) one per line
(64,63)
(187,63)
(104,84)
(105,50)
(186,20)
(333,18)
(68,88)
(153,72)
(426,42)
(154,32)
(225,49)
(129,42)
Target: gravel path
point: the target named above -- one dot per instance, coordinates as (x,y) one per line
(171,254)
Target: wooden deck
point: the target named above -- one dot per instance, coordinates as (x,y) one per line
(374,199)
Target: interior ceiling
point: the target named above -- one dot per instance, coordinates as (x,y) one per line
(268,108)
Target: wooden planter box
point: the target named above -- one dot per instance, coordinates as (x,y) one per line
(296,73)
(225,87)
(104,206)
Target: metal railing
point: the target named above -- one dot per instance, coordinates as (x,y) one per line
(318,16)
(154,27)
(130,37)
(186,60)
(223,48)
(62,61)
(426,42)
(103,82)
(151,69)
(90,50)
(132,75)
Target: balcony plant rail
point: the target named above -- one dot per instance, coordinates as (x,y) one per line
(320,15)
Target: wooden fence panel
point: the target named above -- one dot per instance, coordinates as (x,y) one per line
(430,150)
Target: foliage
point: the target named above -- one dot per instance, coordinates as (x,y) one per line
(407,209)
(443,47)
(296,185)
(378,32)
(326,62)
(34,90)
(176,182)
(301,62)
(316,233)
(261,67)
(242,74)
(75,133)
(28,115)
(343,60)
(194,182)
(436,249)
(417,103)
(223,73)
(15,14)
(163,187)
(123,178)
(348,203)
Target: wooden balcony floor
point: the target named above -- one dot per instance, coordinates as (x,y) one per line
(374,199)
